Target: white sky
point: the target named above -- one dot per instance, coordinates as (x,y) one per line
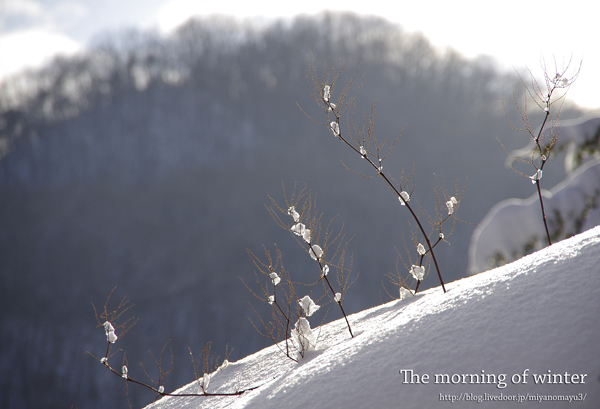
(515,32)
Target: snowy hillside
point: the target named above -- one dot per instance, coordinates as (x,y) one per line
(528,331)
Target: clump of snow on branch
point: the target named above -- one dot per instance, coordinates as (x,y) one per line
(271,299)
(404,197)
(421,249)
(275,278)
(404,292)
(325,271)
(451,204)
(337,297)
(125,372)
(303,336)
(326,92)
(335,128)
(418,272)
(295,216)
(308,305)
(110,332)
(315,251)
(363,151)
(301,230)
(205,382)
(536,176)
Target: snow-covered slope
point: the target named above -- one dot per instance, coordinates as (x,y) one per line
(502,328)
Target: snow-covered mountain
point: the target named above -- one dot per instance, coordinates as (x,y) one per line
(527,331)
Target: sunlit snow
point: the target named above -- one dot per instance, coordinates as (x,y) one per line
(496,335)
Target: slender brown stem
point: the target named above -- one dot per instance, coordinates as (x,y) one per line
(537,182)
(413,214)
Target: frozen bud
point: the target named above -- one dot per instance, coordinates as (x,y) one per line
(315,251)
(325,271)
(338,297)
(404,197)
(335,128)
(420,249)
(271,299)
(442,236)
(161,389)
(103,360)
(295,216)
(331,106)
(546,109)
(308,305)
(404,292)
(418,272)
(363,152)
(326,92)
(536,176)
(276,279)
(125,371)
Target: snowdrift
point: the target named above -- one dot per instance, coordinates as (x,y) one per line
(525,332)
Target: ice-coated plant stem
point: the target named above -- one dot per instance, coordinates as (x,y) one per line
(378,167)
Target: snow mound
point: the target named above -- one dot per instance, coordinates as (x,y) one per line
(495,335)
(513,224)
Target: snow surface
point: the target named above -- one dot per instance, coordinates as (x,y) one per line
(512,223)
(535,315)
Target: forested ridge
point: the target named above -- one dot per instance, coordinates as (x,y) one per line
(145,164)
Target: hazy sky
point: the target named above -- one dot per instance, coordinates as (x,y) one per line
(515,32)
